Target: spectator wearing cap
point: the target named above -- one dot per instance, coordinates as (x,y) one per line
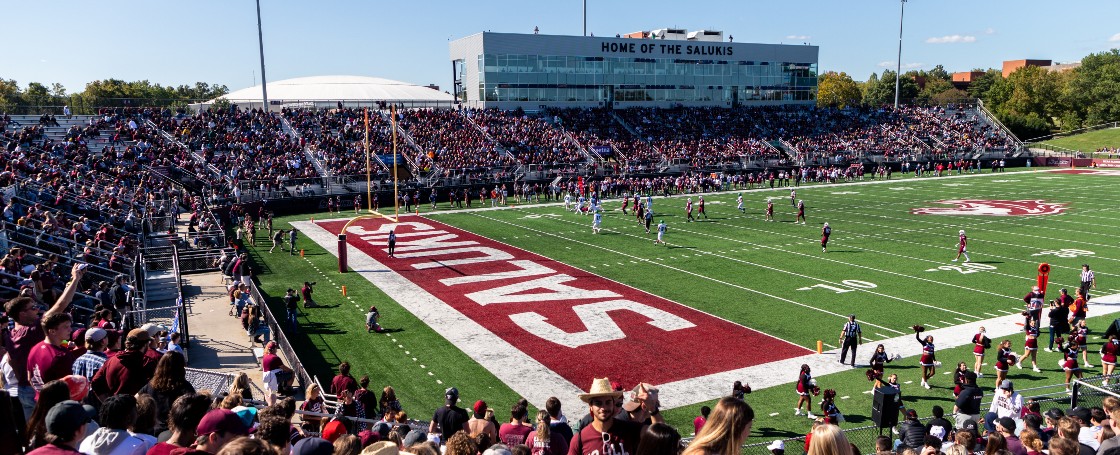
(28,332)
(911,432)
(1006,427)
(275,375)
(1085,433)
(66,427)
(185,415)
(291,304)
(313,446)
(518,429)
(478,423)
(118,412)
(53,358)
(128,371)
(1007,403)
(216,429)
(968,401)
(450,418)
(559,422)
(97,340)
(606,432)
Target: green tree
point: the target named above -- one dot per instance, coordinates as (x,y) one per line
(837,90)
(36,95)
(938,72)
(1093,92)
(980,86)
(934,87)
(883,92)
(10,94)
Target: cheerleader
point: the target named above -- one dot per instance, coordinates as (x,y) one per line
(982,343)
(1081,334)
(879,359)
(1030,346)
(1108,356)
(928,359)
(892,382)
(805,385)
(1005,357)
(958,378)
(831,413)
(1069,360)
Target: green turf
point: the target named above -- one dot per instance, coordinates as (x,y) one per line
(749,271)
(1089,142)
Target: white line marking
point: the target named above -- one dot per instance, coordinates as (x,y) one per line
(772,414)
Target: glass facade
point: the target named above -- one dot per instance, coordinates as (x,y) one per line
(558,78)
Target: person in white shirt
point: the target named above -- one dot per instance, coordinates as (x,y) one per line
(1007,403)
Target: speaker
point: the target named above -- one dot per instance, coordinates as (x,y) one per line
(884,408)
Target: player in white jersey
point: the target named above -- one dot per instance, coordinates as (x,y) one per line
(661,228)
(793,198)
(579,204)
(597,222)
(568,201)
(739,201)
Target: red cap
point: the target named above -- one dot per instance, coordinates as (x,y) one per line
(479,407)
(334,430)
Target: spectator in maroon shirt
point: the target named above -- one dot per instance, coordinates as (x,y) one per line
(28,331)
(50,359)
(128,371)
(343,381)
(276,376)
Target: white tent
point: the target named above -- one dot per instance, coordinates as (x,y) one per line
(327,91)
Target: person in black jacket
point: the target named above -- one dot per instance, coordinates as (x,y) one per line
(938,420)
(1059,322)
(968,402)
(911,432)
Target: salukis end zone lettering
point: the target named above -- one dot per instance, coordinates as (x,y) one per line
(577,324)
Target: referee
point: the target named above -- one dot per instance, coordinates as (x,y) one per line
(850,336)
(1088,281)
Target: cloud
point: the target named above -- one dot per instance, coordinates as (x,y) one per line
(990,31)
(799,37)
(1115,38)
(951,39)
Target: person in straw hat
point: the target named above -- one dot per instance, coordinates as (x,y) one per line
(607,434)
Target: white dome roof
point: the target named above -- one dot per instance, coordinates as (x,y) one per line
(339,88)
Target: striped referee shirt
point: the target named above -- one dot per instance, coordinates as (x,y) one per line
(1087,276)
(851,329)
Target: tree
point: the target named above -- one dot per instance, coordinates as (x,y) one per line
(58,90)
(938,72)
(953,95)
(837,90)
(883,92)
(1093,92)
(36,95)
(934,88)
(10,94)
(979,86)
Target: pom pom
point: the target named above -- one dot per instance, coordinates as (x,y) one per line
(871,375)
(897,356)
(1011,359)
(918,328)
(816,390)
(1025,313)
(937,363)
(829,394)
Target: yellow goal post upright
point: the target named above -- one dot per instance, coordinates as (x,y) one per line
(371,213)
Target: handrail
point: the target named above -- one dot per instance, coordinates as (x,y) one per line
(1099,126)
(497,145)
(984,112)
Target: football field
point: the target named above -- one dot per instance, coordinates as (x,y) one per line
(525,300)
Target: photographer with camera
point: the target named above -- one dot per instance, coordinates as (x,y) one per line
(1059,321)
(306,292)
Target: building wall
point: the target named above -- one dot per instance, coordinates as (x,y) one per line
(529,71)
(1009,66)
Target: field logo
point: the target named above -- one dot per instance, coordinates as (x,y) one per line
(988,207)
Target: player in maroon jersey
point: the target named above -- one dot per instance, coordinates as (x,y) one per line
(982,344)
(825,232)
(800,212)
(702,212)
(688,211)
(1030,346)
(1109,351)
(961,244)
(639,211)
(769,210)
(626,205)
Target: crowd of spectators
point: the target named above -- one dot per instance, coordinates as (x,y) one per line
(336,139)
(452,142)
(531,138)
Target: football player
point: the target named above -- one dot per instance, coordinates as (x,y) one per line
(961,247)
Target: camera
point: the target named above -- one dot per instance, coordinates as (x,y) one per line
(313,283)
(83,266)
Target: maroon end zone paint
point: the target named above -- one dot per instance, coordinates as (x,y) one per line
(578,324)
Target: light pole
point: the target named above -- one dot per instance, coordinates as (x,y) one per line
(260,41)
(584,17)
(898,69)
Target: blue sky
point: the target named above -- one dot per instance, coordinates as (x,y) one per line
(176,43)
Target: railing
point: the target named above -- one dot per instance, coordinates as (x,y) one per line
(1086,129)
(281,339)
(991,118)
